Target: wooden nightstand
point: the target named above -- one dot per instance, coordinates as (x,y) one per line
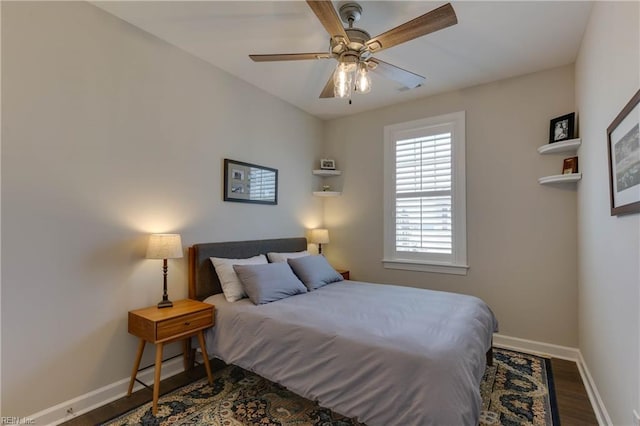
(160,326)
(344,273)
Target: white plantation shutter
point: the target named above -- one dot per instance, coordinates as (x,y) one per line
(263,184)
(425,218)
(423,194)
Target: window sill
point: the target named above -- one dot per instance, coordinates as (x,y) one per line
(411,265)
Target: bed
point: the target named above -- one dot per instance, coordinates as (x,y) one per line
(383,354)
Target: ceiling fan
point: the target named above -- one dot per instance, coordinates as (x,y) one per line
(354,48)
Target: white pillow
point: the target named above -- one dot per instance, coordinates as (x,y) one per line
(231,285)
(282,257)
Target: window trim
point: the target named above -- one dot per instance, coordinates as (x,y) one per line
(394,260)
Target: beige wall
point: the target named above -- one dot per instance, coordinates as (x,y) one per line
(521,235)
(108,134)
(607,75)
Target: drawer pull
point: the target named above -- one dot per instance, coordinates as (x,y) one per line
(187,323)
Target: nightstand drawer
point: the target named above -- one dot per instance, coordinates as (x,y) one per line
(176,326)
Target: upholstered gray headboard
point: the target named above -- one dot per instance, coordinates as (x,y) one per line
(203,280)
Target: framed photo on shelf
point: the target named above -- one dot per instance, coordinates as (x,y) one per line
(570,165)
(623,142)
(327,164)
(561,128)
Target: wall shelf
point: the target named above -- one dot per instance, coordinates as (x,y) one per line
(570,145)
(568,178)
(324,172)
(326,193)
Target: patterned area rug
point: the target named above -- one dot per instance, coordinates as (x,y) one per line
(518,390)
(515,391)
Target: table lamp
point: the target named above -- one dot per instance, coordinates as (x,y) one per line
(164,246)
(320,236)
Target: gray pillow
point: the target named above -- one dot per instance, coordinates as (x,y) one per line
(314,271)
(269,282)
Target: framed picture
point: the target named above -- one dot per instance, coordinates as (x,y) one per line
(326,164)
(237,174)
(570,165)
(561,128)
(623,141)
(250,183)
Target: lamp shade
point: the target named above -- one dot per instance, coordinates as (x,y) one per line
(164,246)
(320,236)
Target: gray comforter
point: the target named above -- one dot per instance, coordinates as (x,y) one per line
(386,355)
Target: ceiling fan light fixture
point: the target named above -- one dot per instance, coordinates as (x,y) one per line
(354,48)
(341,90)
(343,72)
(342,79)
(363,80)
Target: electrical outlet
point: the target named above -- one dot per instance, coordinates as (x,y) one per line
(636,418)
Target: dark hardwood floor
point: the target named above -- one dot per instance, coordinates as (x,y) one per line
(573,403)
(144,395)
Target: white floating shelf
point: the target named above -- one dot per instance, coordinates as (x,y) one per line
(327,193)
(571,177)
(564,146)
(324,172)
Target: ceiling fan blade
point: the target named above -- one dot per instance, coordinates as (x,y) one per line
(328,18)
(406,78)
(289,57)
(437,19)
(327,92)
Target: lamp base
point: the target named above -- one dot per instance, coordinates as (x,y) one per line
(165,304)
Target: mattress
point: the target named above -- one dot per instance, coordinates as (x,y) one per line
(386,355)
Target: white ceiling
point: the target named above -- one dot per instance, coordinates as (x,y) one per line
(492,41)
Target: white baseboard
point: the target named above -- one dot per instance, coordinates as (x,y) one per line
(561,352)
(598,406)
(104,395)
(536,348)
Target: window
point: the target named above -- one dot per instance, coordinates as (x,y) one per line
(424,195)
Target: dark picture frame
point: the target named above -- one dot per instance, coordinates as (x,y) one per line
(623,146)
(250,183)
(327,164)
(561,128)
(570,165)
